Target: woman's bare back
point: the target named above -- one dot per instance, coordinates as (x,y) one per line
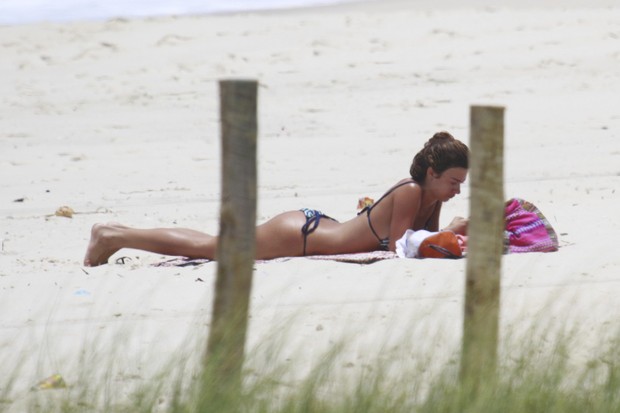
(366,231)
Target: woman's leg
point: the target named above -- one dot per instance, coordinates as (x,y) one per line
(279,237)
(107,239)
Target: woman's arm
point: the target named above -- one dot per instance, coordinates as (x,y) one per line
(433,221)
(458,226)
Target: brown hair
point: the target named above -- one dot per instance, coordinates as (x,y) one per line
(441,152)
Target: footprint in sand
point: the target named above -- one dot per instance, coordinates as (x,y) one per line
(98,51)
(172,40)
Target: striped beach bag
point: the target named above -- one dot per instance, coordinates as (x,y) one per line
(527,229)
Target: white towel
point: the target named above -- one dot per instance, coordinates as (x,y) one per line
(407,246)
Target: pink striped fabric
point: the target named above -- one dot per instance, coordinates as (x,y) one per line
(527,229)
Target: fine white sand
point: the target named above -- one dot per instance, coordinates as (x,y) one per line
(119,120)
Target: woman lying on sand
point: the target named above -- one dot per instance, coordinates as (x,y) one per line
(437,172)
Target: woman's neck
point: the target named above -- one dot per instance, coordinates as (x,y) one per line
(428,198)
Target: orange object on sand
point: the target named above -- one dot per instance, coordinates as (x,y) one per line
(365,202)
(443,244)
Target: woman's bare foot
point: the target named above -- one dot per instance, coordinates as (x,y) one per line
(101,245)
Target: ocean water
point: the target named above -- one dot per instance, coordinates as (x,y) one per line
(31,11)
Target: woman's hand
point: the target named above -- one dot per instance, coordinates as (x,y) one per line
(458,226)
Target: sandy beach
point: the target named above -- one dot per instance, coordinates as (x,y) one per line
(119,121)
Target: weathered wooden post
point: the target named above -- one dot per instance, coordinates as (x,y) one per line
(485,246)
(236,246)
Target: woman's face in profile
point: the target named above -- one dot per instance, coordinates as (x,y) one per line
(448,184)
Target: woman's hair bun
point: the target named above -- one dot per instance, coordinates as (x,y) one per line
(441,152)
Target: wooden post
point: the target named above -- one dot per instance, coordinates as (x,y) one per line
(485,246)
(236,244)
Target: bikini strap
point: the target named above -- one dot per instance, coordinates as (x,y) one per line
(383,243)
(368,208)
(313,218)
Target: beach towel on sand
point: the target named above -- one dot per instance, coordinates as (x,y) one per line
(357,258)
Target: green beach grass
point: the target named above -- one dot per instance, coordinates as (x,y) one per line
(542,375)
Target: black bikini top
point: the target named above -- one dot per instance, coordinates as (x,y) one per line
(384,243)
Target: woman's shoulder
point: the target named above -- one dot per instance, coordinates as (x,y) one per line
(407,188)
(407,183)
(407,194)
